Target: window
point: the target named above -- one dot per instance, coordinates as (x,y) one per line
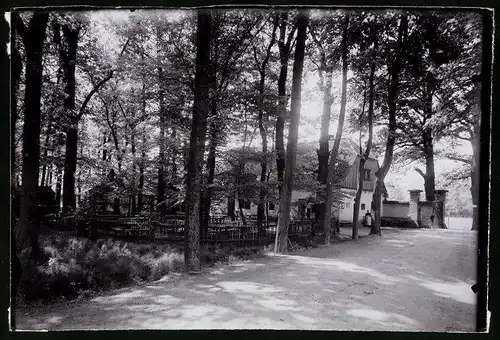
(342,205)
(367,174)
(348,205)
(363,206)
(246,204)
(271,206)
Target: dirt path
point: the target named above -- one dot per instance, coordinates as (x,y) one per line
(406,280)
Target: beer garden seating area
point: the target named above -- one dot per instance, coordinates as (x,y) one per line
(219,230)
(105,219)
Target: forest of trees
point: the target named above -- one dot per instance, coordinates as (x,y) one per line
(205,105)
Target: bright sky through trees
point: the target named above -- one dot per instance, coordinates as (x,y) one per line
(403,177)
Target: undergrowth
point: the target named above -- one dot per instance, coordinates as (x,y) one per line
(77,266)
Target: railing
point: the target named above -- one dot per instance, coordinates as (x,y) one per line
(229,234)
(220,230)
(123,226)
(300,227)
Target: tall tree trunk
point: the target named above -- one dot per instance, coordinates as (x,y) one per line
(364,157)
(104,147)
(429,178)
(340,125)
(241,201)
(45,153)
(68,60)
(197,142)
(324,150)
(69,202)
(79,191)
(48,132)
(284,48)
(33,37)
(59,175)
(79,178)
(140,187)
(185,154)
(389,147)
(49,176)
(161,161)
(67,56)
(173,151)
(58,187)
(140,196)
(263,163)
(133,201)
(231,206)
(262,67)
(281,242)
(212,148)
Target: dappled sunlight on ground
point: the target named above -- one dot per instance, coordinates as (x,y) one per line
(398,282)
(459,290)
(344,266)
(122,297)
(401,243)
(247,287)
(279,304)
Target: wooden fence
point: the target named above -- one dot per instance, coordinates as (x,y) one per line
(220,230)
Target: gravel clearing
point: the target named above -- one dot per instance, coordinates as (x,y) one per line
(410,280)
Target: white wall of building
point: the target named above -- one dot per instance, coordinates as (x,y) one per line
(296,195)
(346,210)
(253,210)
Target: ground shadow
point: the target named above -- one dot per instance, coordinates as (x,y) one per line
(363,285)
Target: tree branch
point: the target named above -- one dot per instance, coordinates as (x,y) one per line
(124,47)
(271,43)
(420,172)
(290,37)
(255,57)
(124,115)
(111,127)
(457,135)
(320,47)
(459,159)
(91,93)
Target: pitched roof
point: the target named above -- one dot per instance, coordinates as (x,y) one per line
(349,152)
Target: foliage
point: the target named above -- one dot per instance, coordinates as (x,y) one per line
(76,265)
(443,57)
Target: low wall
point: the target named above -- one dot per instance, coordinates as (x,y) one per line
(395,214)
(398,222)
(395,209)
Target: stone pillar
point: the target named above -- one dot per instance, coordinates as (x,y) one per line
(438,208)
(414,211)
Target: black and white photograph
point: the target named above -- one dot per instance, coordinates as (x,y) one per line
(289,168)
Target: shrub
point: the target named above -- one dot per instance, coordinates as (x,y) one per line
(165,264)
(77,265)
